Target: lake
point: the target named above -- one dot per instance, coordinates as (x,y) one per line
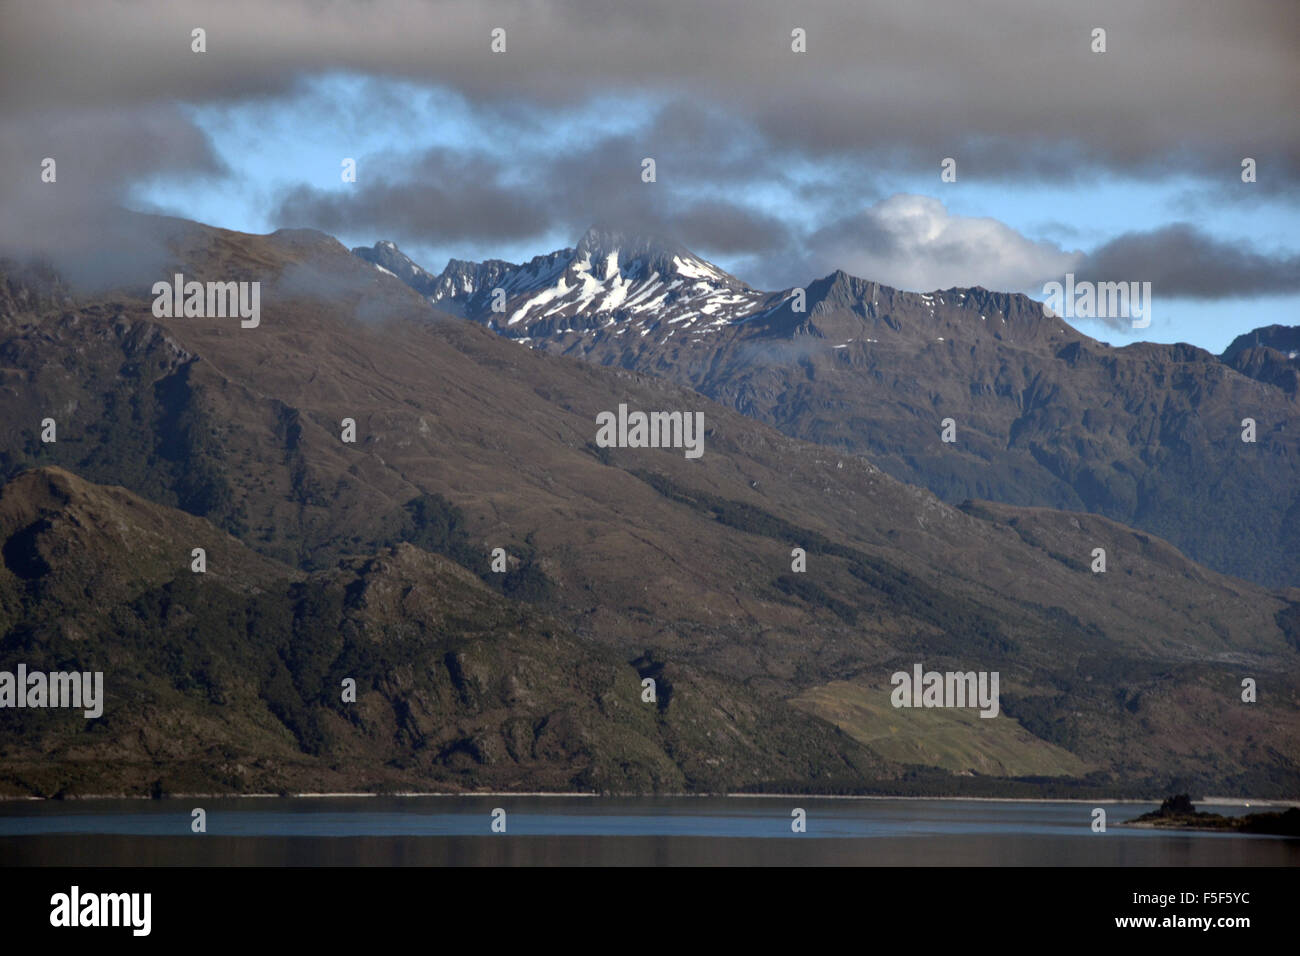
(400,831)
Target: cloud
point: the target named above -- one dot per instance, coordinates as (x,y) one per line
(448,196)
(78,219)
(734,119)
(445,196)
(1183,262)
(914,242)
(1011,89)
(728,229)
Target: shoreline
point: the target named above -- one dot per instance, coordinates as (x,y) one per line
(1206,801)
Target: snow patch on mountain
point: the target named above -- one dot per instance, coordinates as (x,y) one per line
(609,278)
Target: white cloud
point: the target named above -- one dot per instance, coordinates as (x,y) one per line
(914,242)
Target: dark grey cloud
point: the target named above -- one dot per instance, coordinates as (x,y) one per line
(1181,261)
(1010,89)
(78,220)
(444,196)
(724,228)
(447,197)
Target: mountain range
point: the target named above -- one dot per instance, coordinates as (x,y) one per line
(1149,435)
(373,560)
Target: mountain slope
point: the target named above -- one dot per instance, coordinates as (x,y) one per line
(232,680)
(1270,354)
(676,567)
(1150,435)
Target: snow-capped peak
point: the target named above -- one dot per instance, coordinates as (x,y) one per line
(611,277)
(637,257)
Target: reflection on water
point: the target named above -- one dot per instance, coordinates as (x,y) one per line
(397,831)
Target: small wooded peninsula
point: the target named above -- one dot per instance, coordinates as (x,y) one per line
(1177,812)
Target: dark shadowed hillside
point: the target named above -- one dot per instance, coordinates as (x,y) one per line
(371,559)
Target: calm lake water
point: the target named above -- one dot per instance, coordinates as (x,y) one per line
(397,831)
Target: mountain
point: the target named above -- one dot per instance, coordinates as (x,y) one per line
(386,257)
(1270,355)
(231,680)
(1280,338)
(1149,435)
(612,281)
(372,559)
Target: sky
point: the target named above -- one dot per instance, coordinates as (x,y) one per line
(780,166)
